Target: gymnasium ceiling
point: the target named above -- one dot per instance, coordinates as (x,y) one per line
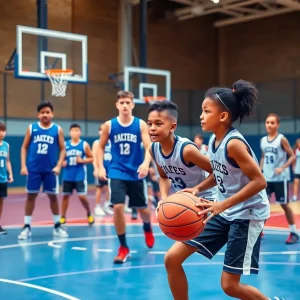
(227,11)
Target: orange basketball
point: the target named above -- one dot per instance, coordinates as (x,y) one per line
(178,219)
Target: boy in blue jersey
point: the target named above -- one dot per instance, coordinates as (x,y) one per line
(78,154)
(128,167)
(43,143)
(5,167)
(101,185)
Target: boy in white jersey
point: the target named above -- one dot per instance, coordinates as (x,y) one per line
(198,140)
(179,161)
(296,170)
(238,216)
(275,149)
(5,168)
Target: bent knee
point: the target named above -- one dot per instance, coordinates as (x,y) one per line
(229,287)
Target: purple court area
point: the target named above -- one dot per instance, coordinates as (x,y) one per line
(13,208)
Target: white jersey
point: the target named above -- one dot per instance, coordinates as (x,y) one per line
(181,175)
(203,149)
(231,179)
(274,157)
(297,165)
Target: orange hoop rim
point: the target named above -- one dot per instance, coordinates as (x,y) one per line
(58,71)
(148,99)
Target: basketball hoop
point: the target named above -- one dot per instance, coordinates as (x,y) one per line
(151,99)
(58,81)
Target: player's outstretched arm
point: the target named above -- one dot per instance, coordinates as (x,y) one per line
(9,168)
(88,154)
(292,157)
(62,151)
(24,149)
(144,167)
(100,152)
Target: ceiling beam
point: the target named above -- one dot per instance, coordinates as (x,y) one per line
(258,15)
(289,3)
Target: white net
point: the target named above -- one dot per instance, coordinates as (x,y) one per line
(58,81)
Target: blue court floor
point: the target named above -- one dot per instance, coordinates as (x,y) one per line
(81,267)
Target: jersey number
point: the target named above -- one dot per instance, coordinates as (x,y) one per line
(220,184)
(178,183)
(125,149)
(269,160)
(2,163)
(42,148)
(72,161)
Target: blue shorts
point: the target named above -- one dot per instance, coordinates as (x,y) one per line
(49,181)
(243,243)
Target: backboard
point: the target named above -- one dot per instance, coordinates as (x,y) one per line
(144,82)
(41,49)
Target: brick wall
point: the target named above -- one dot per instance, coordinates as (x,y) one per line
(197,54)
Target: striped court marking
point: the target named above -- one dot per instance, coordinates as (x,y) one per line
(37,287)
(143,267)
(79,248)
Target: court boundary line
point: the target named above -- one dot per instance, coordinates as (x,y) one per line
(140,267)
(52,243)
(38,287)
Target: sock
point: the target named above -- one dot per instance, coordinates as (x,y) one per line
(293,228)
(147,227)
(122,239)
(56,219)
(27,220)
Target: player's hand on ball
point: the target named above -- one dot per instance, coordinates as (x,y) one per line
(214,208)
(56,170)
(143,170)
(102,174)
(158,206)
(193,191)
(24,171)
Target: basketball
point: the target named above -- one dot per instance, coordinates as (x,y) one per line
(178,217)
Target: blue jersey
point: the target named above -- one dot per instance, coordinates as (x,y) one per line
(43,148)
(4,150)
(126,149)
(74,171)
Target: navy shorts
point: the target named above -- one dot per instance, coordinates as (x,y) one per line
(243,243)
(297,176)
(135,190)
(3,189)
(49,181)
(280,189)
(100,183)
(79,186)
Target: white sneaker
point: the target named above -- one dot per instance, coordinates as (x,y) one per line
(107,209)
(59,232)
(25,233)
(98,211)
(294,198)
(127,210)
